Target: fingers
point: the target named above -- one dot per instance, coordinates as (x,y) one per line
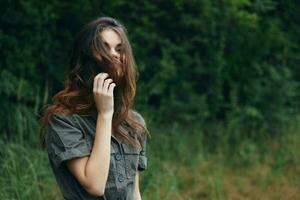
(106,84)
(95,83)
(102,85)
(111,88)
(101,78)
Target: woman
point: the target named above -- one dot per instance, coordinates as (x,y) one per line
(94,139)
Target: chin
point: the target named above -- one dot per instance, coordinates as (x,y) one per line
(120,74)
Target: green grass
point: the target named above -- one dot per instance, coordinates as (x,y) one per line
(25,174)
(180,166)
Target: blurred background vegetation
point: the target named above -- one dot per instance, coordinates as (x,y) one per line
(219,87)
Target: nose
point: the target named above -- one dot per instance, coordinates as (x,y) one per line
(115,54)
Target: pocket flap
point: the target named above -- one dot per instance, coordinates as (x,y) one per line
(128,149)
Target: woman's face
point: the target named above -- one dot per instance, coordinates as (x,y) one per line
(112,42)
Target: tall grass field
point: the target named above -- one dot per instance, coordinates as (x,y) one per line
(180,166)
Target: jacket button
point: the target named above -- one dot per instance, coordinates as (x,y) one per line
(118,156)
(121,177)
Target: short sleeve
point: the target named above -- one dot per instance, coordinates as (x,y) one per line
(142,163)
(64,140)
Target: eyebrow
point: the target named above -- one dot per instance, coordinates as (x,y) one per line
(119,44)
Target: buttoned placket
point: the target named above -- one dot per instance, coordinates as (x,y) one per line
(119,157)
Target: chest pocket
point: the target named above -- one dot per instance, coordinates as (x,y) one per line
(131,156)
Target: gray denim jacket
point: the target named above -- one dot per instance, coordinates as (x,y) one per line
(72,136)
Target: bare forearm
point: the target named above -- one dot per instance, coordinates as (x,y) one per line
(97,166)
(137,194)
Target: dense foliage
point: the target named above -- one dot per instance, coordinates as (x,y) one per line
(199,61)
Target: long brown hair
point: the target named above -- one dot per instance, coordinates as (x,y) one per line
(89,57)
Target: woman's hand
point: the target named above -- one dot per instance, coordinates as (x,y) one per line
(103,94)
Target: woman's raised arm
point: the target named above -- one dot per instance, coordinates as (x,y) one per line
(92,171)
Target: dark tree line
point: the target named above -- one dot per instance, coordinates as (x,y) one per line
(200,61)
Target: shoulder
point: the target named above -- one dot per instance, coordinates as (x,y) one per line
(57,118)
(61,123)
(138,117)
(63,130)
